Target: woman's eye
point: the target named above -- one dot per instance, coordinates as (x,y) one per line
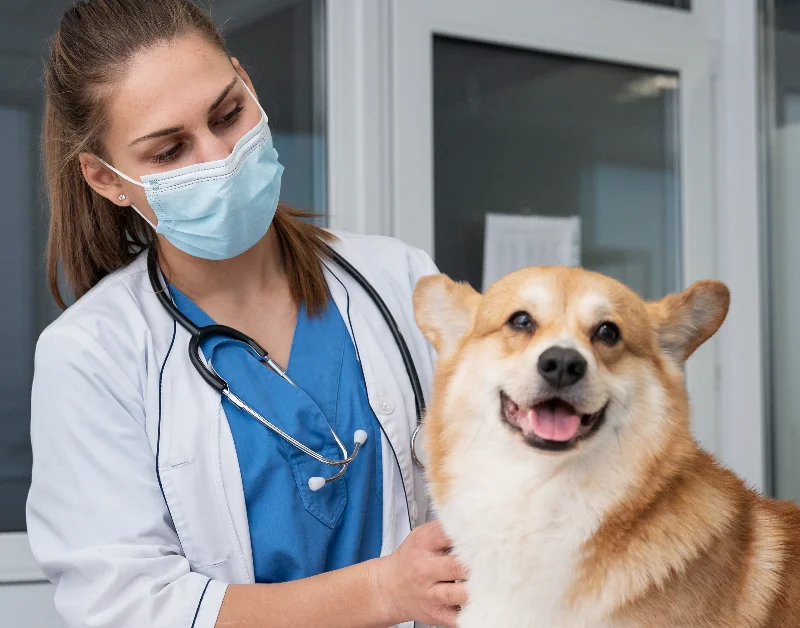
(229,118)
(167,155)
(521,321)
(607,333)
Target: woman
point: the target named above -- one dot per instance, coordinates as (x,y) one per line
(151,493)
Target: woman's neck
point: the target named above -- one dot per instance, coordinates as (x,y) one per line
(249,292)
(254,274)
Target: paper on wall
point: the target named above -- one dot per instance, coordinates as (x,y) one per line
(512,242)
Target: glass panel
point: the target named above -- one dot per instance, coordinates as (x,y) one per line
(26,307)
(675,4)
(527,133)
(18,312)
(781,44)
(278,41)
(280,44)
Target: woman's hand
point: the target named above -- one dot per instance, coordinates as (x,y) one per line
(418,580)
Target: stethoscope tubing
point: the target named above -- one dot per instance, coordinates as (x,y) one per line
(213,379)
(397,335)
(239,403)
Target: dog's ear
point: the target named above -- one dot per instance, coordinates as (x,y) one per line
(685,320)
(444,310)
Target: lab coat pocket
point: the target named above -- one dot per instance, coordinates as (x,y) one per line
(200,528)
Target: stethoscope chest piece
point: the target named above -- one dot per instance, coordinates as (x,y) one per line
(206,370)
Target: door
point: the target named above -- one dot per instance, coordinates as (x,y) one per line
(597,111)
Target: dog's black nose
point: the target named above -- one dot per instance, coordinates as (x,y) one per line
(561,367)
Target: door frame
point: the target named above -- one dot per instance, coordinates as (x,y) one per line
(743,442)
(380,147)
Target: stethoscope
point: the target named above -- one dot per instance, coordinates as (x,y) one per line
(206,369)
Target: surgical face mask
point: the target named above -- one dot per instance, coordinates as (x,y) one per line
(218,209)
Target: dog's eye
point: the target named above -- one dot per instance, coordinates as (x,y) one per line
(607,333)
(521,321)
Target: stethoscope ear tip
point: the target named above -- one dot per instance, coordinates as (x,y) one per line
(316,483)
(360,437)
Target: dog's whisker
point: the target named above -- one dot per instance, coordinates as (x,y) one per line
(619,441)
(475,436)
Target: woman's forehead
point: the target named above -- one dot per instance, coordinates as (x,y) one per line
(166,85)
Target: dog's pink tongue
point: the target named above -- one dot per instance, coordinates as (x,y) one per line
(551,423)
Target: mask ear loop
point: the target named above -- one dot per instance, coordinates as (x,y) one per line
(141,185)
(127,178)
(145,218)
(255,100)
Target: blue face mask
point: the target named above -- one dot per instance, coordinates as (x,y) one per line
(218,209)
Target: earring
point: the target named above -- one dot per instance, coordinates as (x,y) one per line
(122,197)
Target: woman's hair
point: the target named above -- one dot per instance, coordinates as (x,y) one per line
(89,235)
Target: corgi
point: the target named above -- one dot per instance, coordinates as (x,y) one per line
(561,462)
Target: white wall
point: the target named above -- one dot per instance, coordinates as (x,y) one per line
(28,606)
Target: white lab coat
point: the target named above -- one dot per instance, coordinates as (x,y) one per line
(136,509)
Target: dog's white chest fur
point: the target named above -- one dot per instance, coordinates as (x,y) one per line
(521,542)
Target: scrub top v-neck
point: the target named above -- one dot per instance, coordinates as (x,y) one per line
(296,532)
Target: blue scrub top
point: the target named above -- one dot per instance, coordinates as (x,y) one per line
(296,532)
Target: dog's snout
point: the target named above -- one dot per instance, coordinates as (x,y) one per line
(561,367)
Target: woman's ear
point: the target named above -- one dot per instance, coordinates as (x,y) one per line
(244,76)
(101,179)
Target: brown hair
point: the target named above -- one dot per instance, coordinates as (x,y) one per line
(89,235)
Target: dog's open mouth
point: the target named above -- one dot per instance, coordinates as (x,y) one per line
(552,425)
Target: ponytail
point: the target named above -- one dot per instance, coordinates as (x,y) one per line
(89,236)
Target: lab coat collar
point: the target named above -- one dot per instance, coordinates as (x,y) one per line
(196,457)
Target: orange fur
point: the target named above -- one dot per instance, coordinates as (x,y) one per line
(681,542)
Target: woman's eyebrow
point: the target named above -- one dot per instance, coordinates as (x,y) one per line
(178,129)
(159,133)
(222,95)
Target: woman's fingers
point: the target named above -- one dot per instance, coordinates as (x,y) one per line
(447,617)
(446,568)
(452,594)
(433,538)
(425,577)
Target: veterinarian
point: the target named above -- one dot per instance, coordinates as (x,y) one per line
(182,477)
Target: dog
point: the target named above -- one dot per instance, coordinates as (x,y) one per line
(562,465)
